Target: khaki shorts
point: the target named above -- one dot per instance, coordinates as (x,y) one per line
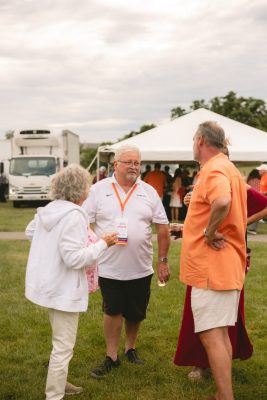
(214,308)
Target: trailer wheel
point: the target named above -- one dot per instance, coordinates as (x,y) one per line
(16,204)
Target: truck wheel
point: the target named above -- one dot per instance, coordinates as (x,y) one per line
(16,204)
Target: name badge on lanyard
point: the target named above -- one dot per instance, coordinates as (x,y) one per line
(121,224)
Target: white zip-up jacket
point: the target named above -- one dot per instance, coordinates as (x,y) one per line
(55,275)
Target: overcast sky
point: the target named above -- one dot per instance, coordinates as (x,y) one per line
(105,67)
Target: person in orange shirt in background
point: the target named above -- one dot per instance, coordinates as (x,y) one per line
(157,179)
(213,251)
(263,183)
(146,171)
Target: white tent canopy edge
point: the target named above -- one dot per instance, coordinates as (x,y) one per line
(173,142)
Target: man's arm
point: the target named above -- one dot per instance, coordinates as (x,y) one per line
(163,248)
(219,210)
(257,216)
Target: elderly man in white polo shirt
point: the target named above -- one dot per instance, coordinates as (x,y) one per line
(129,206)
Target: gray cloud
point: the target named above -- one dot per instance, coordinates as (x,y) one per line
(104,68)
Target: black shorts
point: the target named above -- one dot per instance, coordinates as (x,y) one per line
(129,298)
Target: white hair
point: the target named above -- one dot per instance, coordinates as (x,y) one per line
(125,149)
(70,184)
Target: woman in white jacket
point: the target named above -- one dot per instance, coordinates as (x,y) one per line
(55,275)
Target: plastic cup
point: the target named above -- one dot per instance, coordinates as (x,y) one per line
(176,230)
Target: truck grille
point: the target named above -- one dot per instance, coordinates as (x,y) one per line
(32,190)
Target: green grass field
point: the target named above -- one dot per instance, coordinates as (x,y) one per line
(25,340)
(16,219)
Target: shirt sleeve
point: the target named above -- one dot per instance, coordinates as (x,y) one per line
(216,185)
(72,243)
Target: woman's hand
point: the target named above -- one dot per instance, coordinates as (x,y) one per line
(110,238)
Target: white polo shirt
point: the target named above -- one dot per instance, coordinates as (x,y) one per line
(143,208)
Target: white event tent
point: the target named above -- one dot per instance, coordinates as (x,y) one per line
(173,141)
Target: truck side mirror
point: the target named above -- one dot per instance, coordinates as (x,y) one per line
(1,167)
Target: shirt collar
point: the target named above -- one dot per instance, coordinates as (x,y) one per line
(219,155)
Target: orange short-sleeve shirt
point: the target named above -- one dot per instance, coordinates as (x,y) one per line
(157,179)
(263,183)
(201,266)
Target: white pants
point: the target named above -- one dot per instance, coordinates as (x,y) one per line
(64,331)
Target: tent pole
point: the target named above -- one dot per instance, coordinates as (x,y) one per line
(97,164)
(91,163)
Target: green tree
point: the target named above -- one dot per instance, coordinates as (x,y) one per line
(87,155)
(177,112)
(250,111)
(199,104)
(9,134)
(146,127)
(142,129)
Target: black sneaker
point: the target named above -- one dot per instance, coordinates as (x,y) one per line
(104,368)
(133,357)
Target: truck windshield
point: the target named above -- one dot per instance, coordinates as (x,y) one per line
(28,166)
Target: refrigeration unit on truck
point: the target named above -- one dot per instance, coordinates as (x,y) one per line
(36,155)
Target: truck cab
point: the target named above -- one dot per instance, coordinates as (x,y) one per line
(29,178)
(36,156)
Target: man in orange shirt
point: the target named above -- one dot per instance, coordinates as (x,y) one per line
(263,173)
(157,180)
(214,250)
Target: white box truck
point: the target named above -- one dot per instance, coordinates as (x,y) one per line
(36,155)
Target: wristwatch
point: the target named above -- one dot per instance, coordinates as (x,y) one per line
(163,260)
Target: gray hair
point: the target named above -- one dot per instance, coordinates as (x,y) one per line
(124,149)
(213,134)
(70,184)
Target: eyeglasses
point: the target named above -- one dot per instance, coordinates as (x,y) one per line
(130,163)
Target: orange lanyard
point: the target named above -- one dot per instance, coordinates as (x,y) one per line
(123,204)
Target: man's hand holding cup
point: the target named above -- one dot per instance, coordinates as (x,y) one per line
(176,230)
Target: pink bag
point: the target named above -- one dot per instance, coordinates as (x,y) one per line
(92,270)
